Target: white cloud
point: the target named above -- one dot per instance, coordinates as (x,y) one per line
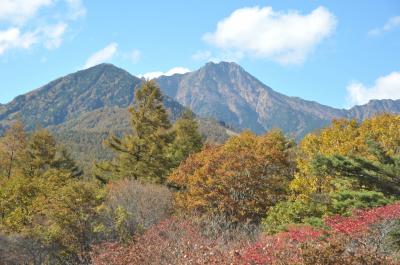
(19,11)
(52,35)
(172,71)
(26,27)
(13,38)
(133,56)
(76,9)
(392,23)
(385,87)
(104,55)
(286,37)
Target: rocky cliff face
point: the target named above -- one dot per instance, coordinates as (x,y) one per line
(228,93)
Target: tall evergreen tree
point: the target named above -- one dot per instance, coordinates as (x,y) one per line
(188,139)
(41,153)
(142,154)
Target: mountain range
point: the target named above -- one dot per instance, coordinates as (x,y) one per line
(94,101)
(226,92)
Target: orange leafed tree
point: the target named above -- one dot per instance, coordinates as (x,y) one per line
(240,179)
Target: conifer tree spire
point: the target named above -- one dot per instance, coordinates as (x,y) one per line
(142,154)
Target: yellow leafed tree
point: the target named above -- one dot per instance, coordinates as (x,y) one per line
(342,137)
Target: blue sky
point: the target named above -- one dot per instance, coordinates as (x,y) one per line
(338,53)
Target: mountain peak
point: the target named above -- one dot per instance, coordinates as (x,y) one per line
(97,87)
(103,67)
(223,65)
(221,69)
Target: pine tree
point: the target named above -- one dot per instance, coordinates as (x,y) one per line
(64,161)
(41,153)
(187,139)
(382,173)
(142,154)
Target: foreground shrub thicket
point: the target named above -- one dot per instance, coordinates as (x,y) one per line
(131,207)
(363,238)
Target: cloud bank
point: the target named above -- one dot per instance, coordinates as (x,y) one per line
(385,87)
(285,37)
(172,71)
(24,29)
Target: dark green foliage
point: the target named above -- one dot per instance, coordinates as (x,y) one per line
(43,153)
(382,173)
(85,147)
(293,212)
(342,201)
(85,144)
(187,139)
(345,201)
(142,154)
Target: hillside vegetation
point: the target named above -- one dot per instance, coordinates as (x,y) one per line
(161,194)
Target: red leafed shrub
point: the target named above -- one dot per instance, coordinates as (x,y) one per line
(173,241)
(358,239)
(355,240)
(362,220)
(282,248)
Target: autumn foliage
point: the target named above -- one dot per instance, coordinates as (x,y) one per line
(343,137)
(254,200)
(346,240)
(173,241)
(240,179)
(361,220)
(254,177)
(180,241)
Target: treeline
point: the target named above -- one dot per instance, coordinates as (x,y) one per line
(166,197)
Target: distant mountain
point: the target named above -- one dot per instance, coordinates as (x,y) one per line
(373,107)
(102,86)
(84,107)
(228,93)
